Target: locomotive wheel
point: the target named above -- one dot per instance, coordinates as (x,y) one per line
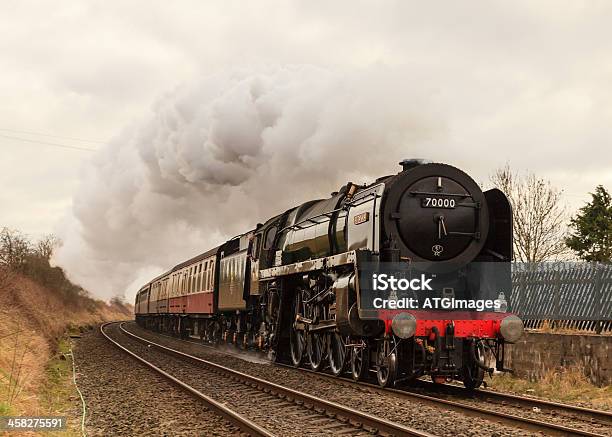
(386,365)
(296,337)
(248,340)
(213,333)
(473,374)
(315,349)
(360,362)
(336,353)
(241,340)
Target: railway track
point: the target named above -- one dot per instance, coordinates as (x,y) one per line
(321,416)
(507,399)
(522,422)
(593,422)
(247,426)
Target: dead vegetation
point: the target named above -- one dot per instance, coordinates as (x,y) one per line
(38,305)
(569,385)
(33,321)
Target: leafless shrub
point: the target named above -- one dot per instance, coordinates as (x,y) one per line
(540,216)
(45,246)
(18,254)
(14,249)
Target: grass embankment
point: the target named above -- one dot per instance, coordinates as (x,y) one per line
(35,364)
(568,385)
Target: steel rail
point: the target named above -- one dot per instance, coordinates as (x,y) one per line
(351,414)
(598,414)
(509,397)
(235,418)
(510,419)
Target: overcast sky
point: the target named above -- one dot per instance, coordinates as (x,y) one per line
(529,83)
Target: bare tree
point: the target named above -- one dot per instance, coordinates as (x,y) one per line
(539,214)
(14,249)
(45,246)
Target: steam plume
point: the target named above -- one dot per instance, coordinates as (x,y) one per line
(216,156)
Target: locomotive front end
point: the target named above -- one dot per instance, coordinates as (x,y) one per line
(441,283)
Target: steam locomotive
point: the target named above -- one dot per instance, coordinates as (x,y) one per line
(295,288)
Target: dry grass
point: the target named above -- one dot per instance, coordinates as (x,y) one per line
(568,385)
(565,327)
(33,320)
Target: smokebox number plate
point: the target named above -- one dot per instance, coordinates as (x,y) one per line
(438,202)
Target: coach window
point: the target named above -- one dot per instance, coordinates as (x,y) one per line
(205,277)
(208,274)
(212,275)
(198,286)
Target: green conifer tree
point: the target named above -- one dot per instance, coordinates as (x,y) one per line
(591,238)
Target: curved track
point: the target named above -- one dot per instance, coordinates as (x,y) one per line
(322,416)
(479,410)
(245,425)
(589,414)
(590,421)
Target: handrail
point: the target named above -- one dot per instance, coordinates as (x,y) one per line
(328,214)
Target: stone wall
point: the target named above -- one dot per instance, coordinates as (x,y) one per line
(536,353)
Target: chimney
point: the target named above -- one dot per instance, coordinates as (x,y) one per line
(407,164)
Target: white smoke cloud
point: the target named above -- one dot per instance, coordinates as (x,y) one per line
(217,156)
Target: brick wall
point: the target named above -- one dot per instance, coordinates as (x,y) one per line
(536,353)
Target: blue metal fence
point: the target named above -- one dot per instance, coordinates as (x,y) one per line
(566,295)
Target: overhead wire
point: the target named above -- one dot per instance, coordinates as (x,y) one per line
(28,132)
(64,146)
